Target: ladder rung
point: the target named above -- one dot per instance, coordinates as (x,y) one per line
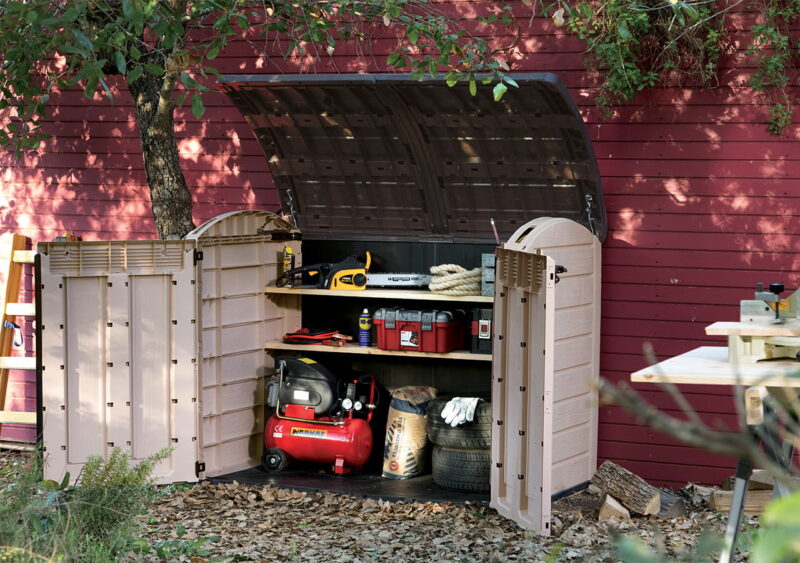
(17,417)
(17,362)
(24,256)
(21,309)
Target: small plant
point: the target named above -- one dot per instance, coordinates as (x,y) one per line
(178,548)
(92,521)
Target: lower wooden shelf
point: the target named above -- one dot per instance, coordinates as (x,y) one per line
(373,351)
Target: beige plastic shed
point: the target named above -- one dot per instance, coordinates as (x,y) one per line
(162,343)
(155,344)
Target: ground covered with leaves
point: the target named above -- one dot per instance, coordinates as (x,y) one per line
(260,523)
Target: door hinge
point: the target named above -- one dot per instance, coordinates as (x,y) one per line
(198,255)
(199,467)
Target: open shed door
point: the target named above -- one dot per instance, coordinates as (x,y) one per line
(522,388)
(239,255)
(545,368)
(118,354)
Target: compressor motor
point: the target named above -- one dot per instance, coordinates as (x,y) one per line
(318,417)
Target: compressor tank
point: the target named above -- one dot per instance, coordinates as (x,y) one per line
(350,441)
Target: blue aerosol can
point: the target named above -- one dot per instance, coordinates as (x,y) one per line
(365,329)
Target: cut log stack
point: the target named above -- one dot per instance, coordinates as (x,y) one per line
(625,493)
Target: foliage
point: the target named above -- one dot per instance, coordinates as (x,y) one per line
(634,550)
(55,44)
(93,521)
(638,44)
(778,539)
(775,56)
(177,548)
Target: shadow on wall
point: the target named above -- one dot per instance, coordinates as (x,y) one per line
(88,177)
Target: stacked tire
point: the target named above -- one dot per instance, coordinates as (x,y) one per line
(461,454)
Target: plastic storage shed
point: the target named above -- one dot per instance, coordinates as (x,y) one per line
(384,158)
(154,344)
(146,345)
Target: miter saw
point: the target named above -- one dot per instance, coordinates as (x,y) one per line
(768,327)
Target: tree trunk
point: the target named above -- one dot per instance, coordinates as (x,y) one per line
(169,196)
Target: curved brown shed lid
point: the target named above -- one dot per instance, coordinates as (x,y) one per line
(384,156)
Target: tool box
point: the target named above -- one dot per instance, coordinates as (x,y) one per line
(421,331)
(481,342)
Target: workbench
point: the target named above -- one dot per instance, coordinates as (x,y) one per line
(709,365)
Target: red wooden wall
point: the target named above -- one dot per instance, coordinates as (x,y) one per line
(701,202)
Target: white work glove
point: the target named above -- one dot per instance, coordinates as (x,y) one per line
(459,410)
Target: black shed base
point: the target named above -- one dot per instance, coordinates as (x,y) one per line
(416,489)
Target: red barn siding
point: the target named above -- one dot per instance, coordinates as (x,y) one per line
(701,204)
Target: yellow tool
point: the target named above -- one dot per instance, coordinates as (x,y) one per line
(349,274)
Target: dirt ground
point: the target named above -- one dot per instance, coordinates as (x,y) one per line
(260,523)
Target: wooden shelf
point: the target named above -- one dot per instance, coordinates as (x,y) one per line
(373,351)
(381,294)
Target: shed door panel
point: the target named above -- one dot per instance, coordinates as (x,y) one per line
(237,321)
(522,389)
(118,354)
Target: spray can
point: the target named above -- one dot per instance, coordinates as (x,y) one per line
(365,329)
(288,262)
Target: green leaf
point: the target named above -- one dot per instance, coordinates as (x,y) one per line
(180,100)
(499,90)
(473,87)
(413,36)
(623,31)
(82,40)
(689,9)
(134,74)
(510,81)
(119,58)
(392,59)
(197,106)
(155,70)
(180,530)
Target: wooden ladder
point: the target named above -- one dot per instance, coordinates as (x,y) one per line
(13,257)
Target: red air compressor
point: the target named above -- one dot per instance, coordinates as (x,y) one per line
(318,417)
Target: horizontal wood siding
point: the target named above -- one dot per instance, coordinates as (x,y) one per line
(701,203)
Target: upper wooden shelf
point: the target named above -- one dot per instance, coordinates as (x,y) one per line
(373,351)
(380,294)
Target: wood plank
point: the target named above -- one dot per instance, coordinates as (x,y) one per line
(372,351)
(17,362)
(788,328)
(754,502)
(17,417)
(709,365)
(21,309)
(379,294)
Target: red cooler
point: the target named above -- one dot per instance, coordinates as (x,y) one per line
(419,331)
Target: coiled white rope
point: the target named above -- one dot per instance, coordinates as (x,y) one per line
(450,279)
